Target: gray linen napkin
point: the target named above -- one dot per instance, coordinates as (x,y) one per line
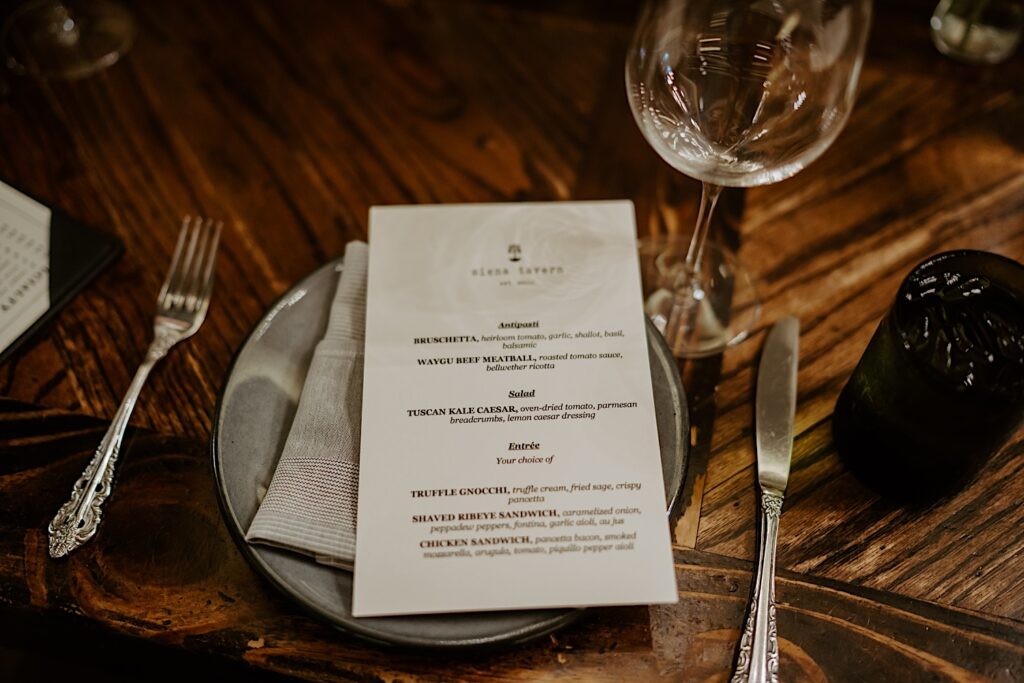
(310,506)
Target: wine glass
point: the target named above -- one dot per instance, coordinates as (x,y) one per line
(66,40)
(736,93)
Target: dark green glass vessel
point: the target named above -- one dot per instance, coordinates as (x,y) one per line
(940,386)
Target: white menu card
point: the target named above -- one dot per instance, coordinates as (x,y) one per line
(24,263)
(510,453)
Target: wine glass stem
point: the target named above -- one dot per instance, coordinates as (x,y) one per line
(689,284)
(695,254)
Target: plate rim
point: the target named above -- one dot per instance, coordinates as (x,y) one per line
(563,616)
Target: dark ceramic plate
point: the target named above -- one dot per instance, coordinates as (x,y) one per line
(253,415)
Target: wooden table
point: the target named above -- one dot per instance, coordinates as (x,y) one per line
(290,121)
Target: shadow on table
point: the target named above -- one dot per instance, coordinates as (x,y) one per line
(34,649)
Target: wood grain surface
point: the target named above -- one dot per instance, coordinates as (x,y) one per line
(166,569)
(288,121)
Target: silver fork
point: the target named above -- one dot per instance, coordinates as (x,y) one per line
(180,310)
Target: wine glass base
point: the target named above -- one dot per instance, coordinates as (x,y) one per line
(702,316)
(53,40)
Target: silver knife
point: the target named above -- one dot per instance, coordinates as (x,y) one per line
(774,408)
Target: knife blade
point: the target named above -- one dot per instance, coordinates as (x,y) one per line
(774,408)
(775,404)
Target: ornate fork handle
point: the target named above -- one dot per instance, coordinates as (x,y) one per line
(77,520)
(758,659)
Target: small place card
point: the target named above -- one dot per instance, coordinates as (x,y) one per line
(510,454)
(24,263)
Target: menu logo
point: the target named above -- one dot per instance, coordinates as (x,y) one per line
(515,255)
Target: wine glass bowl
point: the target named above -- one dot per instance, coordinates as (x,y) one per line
(736,93)
(66,39)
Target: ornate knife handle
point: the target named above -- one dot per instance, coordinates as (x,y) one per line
(77,520)
(758,658)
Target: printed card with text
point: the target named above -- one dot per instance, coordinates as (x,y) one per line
(510,455)
(24,263)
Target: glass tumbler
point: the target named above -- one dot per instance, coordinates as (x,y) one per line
(940,387)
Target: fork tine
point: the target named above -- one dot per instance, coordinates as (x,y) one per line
(177,290)
(207,285)
(194,282)
(174,261)
(177,266)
